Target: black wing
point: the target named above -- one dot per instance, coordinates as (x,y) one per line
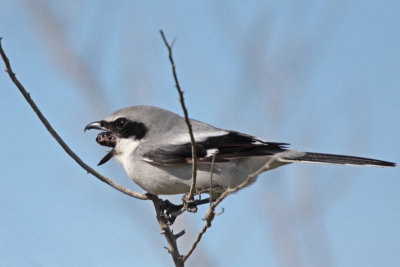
(225,147)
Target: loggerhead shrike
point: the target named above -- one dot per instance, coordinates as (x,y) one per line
(153,145)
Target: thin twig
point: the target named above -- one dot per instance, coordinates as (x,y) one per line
(245,183)
(196,242)
(58,138)
(185,112)
(211,176)
(210,213)
(181,233)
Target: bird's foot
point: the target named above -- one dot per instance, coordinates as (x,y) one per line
(170,211)
(189,204)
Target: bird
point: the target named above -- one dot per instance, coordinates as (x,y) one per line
(154,147)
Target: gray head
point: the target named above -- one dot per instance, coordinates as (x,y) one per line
(131,123)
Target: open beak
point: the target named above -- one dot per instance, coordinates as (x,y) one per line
(106,158)
(104,139)
(95,125)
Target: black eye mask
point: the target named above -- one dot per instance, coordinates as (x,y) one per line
(120,128)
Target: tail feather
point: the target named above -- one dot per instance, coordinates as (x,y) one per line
(339,159)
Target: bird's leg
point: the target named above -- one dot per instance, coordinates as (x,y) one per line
(191,205)
(171,211)
(169,207)
(165,209)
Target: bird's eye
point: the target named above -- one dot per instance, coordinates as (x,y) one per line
(120,123)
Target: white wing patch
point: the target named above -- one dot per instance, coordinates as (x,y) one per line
(198,136)
(147,159)
(211,152)
(258,141)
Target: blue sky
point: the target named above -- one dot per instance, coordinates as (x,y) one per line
(320,75)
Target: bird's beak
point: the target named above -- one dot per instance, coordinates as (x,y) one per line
(104,139)
(95,125)
(107,157)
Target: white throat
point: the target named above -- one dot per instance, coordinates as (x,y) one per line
(123,150)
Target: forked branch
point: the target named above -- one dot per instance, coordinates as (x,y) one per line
(210,213)
(159,204)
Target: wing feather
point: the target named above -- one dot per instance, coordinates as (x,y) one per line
(230,146)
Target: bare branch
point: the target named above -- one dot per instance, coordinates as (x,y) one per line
(167,232)
(181,233)
(210,213)
(211,176)
(58,138)
(171,238)
(185,112)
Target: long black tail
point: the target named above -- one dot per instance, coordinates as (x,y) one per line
(339,159)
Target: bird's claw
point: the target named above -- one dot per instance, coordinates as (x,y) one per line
(170,211)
